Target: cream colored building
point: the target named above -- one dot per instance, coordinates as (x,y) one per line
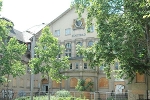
(71,32)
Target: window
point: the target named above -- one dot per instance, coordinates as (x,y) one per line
(77,65)
(101,67)
(68,31)
(103,83)
(91,29)
(116,65)
(57,33)
(73,82)
(29,46)
(79,43)
(68,49)
(85,65)
(90,43)
(140,78)
(71,66)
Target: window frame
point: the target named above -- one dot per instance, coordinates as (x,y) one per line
(68,50)
(56,34)
(67,32)
(76,67)
(89,43)
(78,43)
(139,81)
(91,29)
(84,66)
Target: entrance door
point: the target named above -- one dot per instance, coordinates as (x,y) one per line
(45,88)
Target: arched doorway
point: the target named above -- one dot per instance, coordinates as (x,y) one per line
(44,85)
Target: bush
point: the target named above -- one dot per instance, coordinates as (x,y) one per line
(62,93)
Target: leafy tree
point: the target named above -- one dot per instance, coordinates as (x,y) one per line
(47,62)
(11,52)
(123,33)
(82,85)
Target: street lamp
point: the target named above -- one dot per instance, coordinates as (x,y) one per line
(33,30)
(32,56)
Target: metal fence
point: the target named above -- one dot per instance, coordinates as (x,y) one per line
(99,95)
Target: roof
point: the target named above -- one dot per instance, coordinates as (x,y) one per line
(35,29)
(28,34)
(61,15)
(15,33)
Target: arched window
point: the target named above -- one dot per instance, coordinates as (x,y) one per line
(44,81)
(103,83)
(73,82)
(68,49)
(80,44)
(56,85)
(88,80)
(90,43)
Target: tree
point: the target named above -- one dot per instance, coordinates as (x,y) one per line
(123,35)
(47,61)
(82,85)
(11,52)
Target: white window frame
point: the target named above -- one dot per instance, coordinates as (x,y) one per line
(68,49)
(57,33)
(77,67)
(68,31)
(91,29)
(90,43)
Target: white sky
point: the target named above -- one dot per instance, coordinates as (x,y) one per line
(27,13)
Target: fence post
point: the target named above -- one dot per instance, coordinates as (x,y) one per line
(115,95)
(94,95)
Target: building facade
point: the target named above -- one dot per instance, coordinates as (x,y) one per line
(70,32)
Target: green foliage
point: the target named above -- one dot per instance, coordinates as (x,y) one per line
(52,98)
(123,35)
(0,4)
(11,52)
(63,93)
(47,61)
(83,86)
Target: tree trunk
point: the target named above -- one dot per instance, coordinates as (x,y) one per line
(7,87)
(148,54)
(48,88)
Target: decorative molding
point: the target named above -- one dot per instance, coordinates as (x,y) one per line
(78,24)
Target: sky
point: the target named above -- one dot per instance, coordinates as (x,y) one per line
(28,13)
